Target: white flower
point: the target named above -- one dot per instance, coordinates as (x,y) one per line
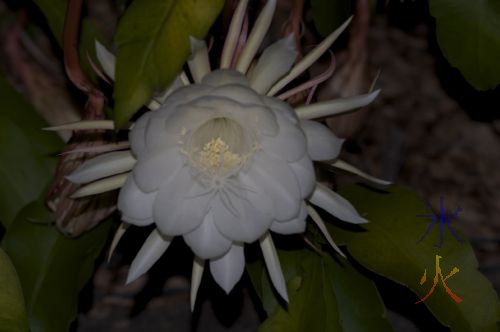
(221,161)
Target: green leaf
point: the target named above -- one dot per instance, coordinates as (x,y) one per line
(27,153)
(325,295)
(330,14)
(12,311)
(468,34)
(55,13)
(153,44)
(388,247)
(52,268)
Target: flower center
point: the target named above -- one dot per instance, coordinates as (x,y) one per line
(219,147)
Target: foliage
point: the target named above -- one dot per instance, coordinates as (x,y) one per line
(52,268)
(325,292)
(468,33)
(12,311)
(153,44)
(27,154)
(388,247)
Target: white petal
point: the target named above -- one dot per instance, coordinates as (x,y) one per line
(228,269)
(154,247)
(340,164)
(335,106)
(84,125)
(233,34)
(176,84)
(305,174)
(206,241)
(198,62)
(275,61)
(294,226)
(240,217)
(256,36)
(156,168)
(273,265)
(106,59)
(103,166)
(322,227)
(322,144)
(274,177)
(158,138)
(335,204)
(116,239)
(137,135)
(101,186)
(221,77)
(181,205)
(197,273)
(135,205)
(289,144)
(309,59)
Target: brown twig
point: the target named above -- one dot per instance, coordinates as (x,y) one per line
(76,216)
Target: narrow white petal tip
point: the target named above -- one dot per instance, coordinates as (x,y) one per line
(101,186)
(335,204)
(195,44)
(275,61)
(273,265)
(198,62)
(84,125)
(196,275)
(102,166)
(309,59)
(322,227)
(106,59)
(336,106)
(256,36)
(342,165)
(154,247)
(116,239)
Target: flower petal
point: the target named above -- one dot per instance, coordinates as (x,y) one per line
(101,186)
(103,166)
(335,204)
(135,205)
(273,265)
(275,61)
(206,241)
(154,247)
(256,36)
(336,106)
(275,177)
(241,216)
(305,174)
(290,143)
(293,226)
(198,62)
(196,274)
(106,59)
(322,144)
(309,59)
(228,269)
(156,168)
(181,205)
(137,135)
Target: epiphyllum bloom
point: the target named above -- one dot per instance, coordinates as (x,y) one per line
(221,161)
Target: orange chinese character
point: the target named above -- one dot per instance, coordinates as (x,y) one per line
(438,272)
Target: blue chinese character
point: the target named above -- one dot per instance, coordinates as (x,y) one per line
(442,220)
